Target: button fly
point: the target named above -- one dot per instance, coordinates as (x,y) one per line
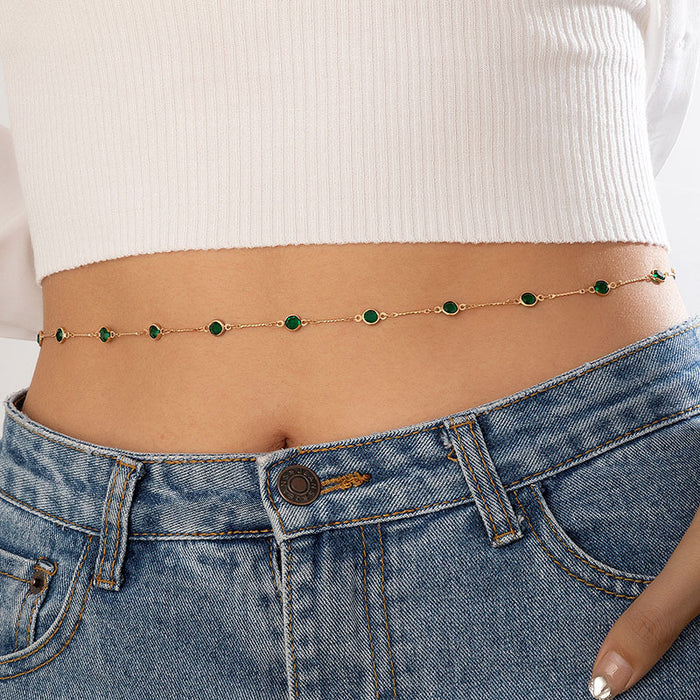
(299,485)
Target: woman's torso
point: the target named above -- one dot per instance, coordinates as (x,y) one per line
(257,389)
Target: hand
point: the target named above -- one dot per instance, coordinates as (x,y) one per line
(649,626)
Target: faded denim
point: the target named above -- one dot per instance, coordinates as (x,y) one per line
(483,554)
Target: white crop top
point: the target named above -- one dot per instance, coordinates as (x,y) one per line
(141,127)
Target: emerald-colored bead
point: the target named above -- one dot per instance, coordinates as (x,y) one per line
(155,331)
(292,322)
(370,316)
(528,298)
(657,276)
(216,327)
(105,334)
(60,335)
(449,307)
(40,337)
(601,287)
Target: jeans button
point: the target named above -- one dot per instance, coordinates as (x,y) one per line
(299,485)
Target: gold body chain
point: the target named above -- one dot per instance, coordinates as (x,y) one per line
(370,317)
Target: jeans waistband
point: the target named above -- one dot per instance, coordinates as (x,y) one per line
(474,456)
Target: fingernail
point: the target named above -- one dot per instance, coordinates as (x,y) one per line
(611,677)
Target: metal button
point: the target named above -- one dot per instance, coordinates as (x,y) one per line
(299,485)
(37,583)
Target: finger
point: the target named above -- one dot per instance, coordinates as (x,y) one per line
(645,631)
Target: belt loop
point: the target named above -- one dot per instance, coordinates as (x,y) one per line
(502,525)
(115,523)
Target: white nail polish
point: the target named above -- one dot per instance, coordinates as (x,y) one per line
(599,688)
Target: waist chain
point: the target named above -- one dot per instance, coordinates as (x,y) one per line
(370,317)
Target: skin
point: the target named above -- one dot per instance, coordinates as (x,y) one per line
(257,389)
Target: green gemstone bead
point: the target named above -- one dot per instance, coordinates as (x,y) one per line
(657,276)
(155,331)
(370,316)
(39,337)
(528,298)
(292,322)
(601,287)
(449,307)
(60,335)
(105,334)
(216,327)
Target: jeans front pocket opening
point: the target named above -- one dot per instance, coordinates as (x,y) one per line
(62,630)
(556,549)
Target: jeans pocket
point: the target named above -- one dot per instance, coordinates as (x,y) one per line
(24,584)
(45,581)
(612,521)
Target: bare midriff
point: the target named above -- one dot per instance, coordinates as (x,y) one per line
(259,389)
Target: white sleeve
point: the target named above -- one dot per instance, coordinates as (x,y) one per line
(21,310)
(672,46)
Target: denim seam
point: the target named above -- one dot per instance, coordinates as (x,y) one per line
(560,565)
(578,556)
(291,637)
(272,569)
(19,617)
(31,615)
(603,444)
(65,612)
(386,621)
(496,534)
(17,578)
(369,629)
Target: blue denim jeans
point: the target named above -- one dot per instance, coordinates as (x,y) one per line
(483,554)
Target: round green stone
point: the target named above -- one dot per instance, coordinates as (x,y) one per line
(370,316)
(528,298)
(105,334)
(39,338)
(292,322)
(658,276)
(154,331)
(216,328)
(601,287)
(449,307)
(60,335)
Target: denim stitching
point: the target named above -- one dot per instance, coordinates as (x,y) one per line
(496,534)
(578,556)
(272,500)
(272,569)
(65,612)
(546,551)
(386,621)
(200,534)
(488,471)
(31,613)
(602,444)
(369,630)
(291,638)
(111,580)
(104,546)
(19,617)
(17,578)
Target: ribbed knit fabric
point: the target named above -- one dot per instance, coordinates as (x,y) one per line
(142,127)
